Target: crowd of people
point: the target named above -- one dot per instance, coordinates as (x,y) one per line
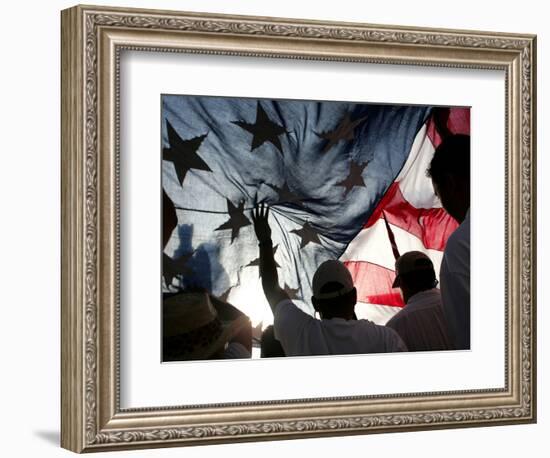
(197,325)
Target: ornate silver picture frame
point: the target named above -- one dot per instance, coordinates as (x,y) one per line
(93,39)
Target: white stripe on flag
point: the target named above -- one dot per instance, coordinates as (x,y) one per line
(373,245)
(415,185)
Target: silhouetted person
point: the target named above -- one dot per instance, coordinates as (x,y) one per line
(421,323)
(271,347)
(192,329)
(450,174)
(334,298)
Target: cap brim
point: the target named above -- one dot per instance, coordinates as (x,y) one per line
(334,294)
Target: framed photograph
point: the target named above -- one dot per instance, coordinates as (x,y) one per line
(277,228)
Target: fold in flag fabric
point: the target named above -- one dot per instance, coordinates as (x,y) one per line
(331,172)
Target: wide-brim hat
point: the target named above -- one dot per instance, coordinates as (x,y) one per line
(192,329)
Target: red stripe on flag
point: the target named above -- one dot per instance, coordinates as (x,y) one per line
(431,225)
(437,226)
(374,283)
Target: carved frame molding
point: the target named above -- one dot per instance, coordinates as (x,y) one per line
(92,39)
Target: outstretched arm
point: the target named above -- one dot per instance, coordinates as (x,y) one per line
(268,268)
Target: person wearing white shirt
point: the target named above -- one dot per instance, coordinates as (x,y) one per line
(338,331)
(450,174)
(421,323)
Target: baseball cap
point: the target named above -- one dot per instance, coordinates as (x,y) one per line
(328,272)
(409,262)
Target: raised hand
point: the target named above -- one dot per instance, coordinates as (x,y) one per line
(260,215)
(268,266)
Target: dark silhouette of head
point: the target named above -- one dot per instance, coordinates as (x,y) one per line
(414,274)
(192,328)
(334,295)
(270,346)
(450,174)
(416,282)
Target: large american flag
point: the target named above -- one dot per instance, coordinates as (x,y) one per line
(343,180)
